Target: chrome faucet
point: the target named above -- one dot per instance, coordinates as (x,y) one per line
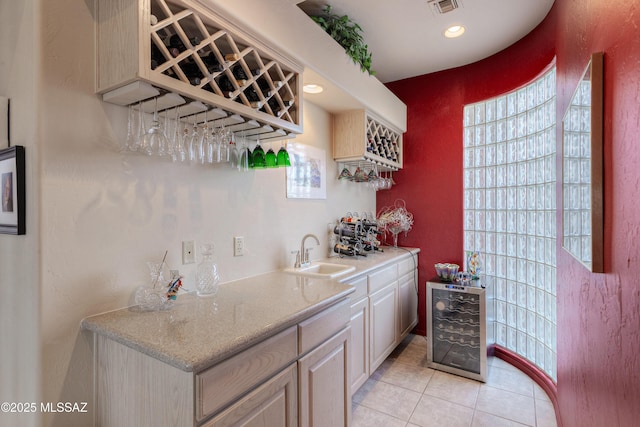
(304,253)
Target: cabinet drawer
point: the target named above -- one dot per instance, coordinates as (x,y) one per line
(361,289)
(275,403)
(407,265)
(226,381)
(318,328)
(381,278)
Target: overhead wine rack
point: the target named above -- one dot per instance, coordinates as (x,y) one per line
(358,136)
(189,57)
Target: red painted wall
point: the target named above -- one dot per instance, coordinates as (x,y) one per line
(431,180)
(598,314)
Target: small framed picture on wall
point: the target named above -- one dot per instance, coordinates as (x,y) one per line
(12,191)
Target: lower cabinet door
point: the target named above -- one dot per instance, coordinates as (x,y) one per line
(325,384)
(383,319)
(359,344)
(273,404)
(408,297)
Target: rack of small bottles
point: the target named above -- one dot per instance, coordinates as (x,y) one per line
(356,236)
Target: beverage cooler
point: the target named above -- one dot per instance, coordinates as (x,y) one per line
(456,328)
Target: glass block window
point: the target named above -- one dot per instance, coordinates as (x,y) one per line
(510,213)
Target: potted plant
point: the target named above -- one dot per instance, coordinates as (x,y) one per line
(348,34)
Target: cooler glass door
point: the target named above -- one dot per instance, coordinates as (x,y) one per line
(457,329)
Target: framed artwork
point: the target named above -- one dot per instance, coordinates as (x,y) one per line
(582,169)
(307,175)
(12,192)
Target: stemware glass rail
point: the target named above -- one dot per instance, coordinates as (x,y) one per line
(200,136)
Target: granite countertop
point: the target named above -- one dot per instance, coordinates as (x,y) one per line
(199,332)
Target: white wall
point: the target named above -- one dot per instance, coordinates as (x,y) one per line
(102,215)
(19,255)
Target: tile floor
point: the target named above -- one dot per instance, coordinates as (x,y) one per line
(403,392)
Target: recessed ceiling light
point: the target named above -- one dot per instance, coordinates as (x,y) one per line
(312,88)
(454,31)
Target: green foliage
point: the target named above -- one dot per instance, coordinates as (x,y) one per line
(348,34)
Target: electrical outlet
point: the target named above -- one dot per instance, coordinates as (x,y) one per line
(238,246)
(188,252)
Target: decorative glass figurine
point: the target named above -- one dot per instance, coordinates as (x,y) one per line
(474,265)
(207,278)
(160,293)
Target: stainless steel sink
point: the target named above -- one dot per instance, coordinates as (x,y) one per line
(323,270)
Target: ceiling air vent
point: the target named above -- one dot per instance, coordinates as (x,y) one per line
(444,6)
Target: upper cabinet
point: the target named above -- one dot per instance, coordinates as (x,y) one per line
(151,48)
(244,61)
(359,136)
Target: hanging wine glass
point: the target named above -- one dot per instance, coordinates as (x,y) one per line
(192,145)
(233,151)
(283,157)
(242,153)
(203,142)
(133,137)
(257,156)
(181,153)
(270,159)
(173,134)
(360,175)
(221,151)
(373,180)
(166,129)
(155,141)
(346,174)
(139,136)
(225,144)
(381,181)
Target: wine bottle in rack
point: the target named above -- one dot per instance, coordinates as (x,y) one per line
(192,71)
(275,107)
(212,63)
(264,87)
(176,42)
(240,75)
(231,57)
(252,97)
(344,249)
(345,231)
(349,219)
(157,58)
(226,86)
(369,144)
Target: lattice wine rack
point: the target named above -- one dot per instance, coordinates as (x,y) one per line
(190,57)
(359,136)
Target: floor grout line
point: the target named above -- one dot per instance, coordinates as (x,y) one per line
(418,364)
